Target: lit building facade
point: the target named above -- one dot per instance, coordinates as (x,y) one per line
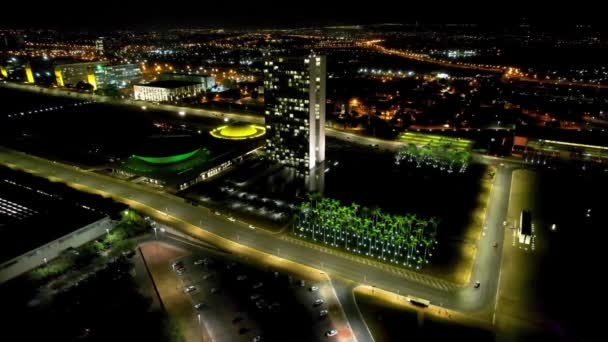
(207,81)
(119,75)
(72,73)
(98,74)
(166,91)
(294,93)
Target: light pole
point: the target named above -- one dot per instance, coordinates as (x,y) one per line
(108,231)
(155,235)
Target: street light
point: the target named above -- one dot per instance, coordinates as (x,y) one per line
(155,235)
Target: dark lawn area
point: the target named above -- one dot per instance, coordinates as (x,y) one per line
(392,323)
(371,178)
(568,258)
(106,306)
(85,132)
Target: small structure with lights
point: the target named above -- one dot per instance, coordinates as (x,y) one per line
(238,131)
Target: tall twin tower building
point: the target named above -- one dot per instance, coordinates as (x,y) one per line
(294,92)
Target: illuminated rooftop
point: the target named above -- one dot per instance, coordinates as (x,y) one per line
(167,159)
(238,132)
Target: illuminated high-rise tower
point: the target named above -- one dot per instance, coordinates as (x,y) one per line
(294,95)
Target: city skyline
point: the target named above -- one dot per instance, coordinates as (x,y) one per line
(297,172)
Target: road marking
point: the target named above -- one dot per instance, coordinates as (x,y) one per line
(439,284)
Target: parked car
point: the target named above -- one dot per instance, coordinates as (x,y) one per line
(323,313)
(330,333)
(318,302)
(314,288)
(190,288)
(255,296)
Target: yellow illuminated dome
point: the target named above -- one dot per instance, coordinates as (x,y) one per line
(238,132)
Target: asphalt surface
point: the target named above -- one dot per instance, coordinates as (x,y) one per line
(465,299)
(468,299)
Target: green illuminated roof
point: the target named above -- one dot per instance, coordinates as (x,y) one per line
(238,132)
(168,159)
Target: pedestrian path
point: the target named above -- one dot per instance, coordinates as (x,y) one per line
(417,277)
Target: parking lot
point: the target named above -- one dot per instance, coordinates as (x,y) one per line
(238,301)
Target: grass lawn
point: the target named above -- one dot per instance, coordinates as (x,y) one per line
(370,178)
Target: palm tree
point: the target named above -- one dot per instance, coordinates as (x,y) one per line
(413,242)
(354,206)
(427,242)
(376,212)
(367,230)
(358,224)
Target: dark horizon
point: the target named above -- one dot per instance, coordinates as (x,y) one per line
(110,15)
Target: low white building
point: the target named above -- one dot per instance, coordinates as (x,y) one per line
(29,260)
(166,91)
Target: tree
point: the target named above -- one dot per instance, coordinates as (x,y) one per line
(367,228)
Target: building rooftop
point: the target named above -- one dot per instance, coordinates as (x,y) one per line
(168,84)
(238,131)
(178,159)
(35,211)
(184,74)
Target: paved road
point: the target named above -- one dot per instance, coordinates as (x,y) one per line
(486,267)
(187,218)
(344,291)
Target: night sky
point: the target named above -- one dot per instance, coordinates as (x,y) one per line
(268,13)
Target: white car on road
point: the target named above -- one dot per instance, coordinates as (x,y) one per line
(332,332)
